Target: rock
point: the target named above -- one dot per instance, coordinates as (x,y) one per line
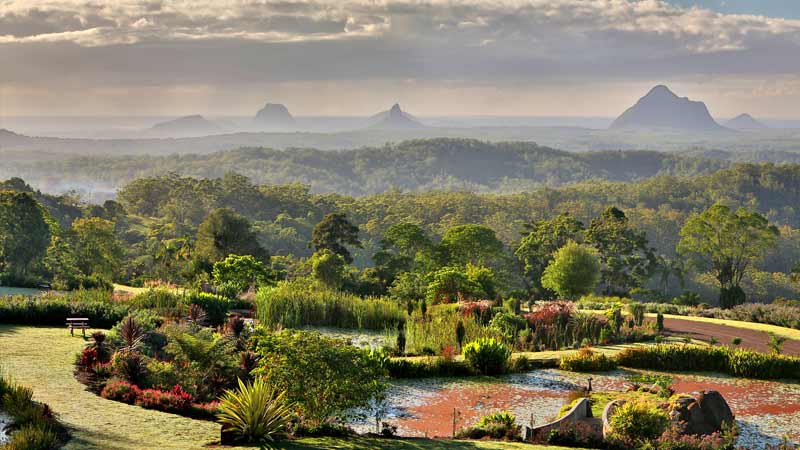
(703,415)
(715,409)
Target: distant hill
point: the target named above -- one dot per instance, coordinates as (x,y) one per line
(745,122)
(195,125)
(417,165)
(274,116)
(661,108)
(394,119)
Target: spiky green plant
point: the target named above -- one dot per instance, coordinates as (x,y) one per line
(255,412)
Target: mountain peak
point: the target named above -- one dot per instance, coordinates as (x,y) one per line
(662,108)
(745,122)
(395,118)
(274,115)
(661,91)
(193,125)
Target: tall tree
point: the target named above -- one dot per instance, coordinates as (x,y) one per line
(574,271)
(223,233)
(97,249)
(334,232)
(472,244)
(24,236)
(543,239)
(405,247)
(727,243)
(627,260)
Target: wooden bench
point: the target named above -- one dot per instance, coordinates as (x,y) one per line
(81,323)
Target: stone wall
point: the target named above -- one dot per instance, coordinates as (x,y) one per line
(578,413)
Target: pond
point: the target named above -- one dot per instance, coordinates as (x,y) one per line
(765,410)
(360,338)
(5,290)
(5,421)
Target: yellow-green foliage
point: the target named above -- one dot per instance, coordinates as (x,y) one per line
(587,361)
(437,329)
(637,421)
(255,412)
(296,304)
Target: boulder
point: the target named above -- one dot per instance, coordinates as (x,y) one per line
(703,415)
(715,409)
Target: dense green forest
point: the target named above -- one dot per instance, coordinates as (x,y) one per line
(158,225)
(417,165)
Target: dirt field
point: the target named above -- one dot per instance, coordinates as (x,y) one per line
(751,339)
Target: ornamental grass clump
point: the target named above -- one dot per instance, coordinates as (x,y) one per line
(586,360)
(254,412)
(487,356)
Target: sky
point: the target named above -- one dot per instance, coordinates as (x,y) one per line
(357,57)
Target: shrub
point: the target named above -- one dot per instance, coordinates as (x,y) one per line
(51,309)
(88,358)
(129,366)
(254,412)
(736,341)
(175,401)
(163,300)
(735,362)
(121,391)
(508,324)
(585,360)
(636,422)
(34,423)
(434,367)
(324,377)
(215,306)
(487,356)
(498,425)
(295,304)
(34,436)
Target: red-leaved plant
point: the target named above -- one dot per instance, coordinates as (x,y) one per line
(121,391)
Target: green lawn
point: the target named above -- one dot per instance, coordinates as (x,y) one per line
(42,359)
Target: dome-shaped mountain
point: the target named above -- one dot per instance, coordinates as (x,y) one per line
(274,116)
(394,119)
(661,108)
(195,125)
(745,122)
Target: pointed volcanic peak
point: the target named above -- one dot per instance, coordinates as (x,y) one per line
(661,108)
(195,125)
(394,119)
(745,122)
(274,116)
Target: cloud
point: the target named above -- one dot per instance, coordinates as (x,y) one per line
(235,45)
(536,22)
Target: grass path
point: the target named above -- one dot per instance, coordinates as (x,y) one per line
(42,358)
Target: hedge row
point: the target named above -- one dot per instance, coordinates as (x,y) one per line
(735,362)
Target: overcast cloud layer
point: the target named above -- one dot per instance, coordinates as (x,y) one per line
(353,57)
